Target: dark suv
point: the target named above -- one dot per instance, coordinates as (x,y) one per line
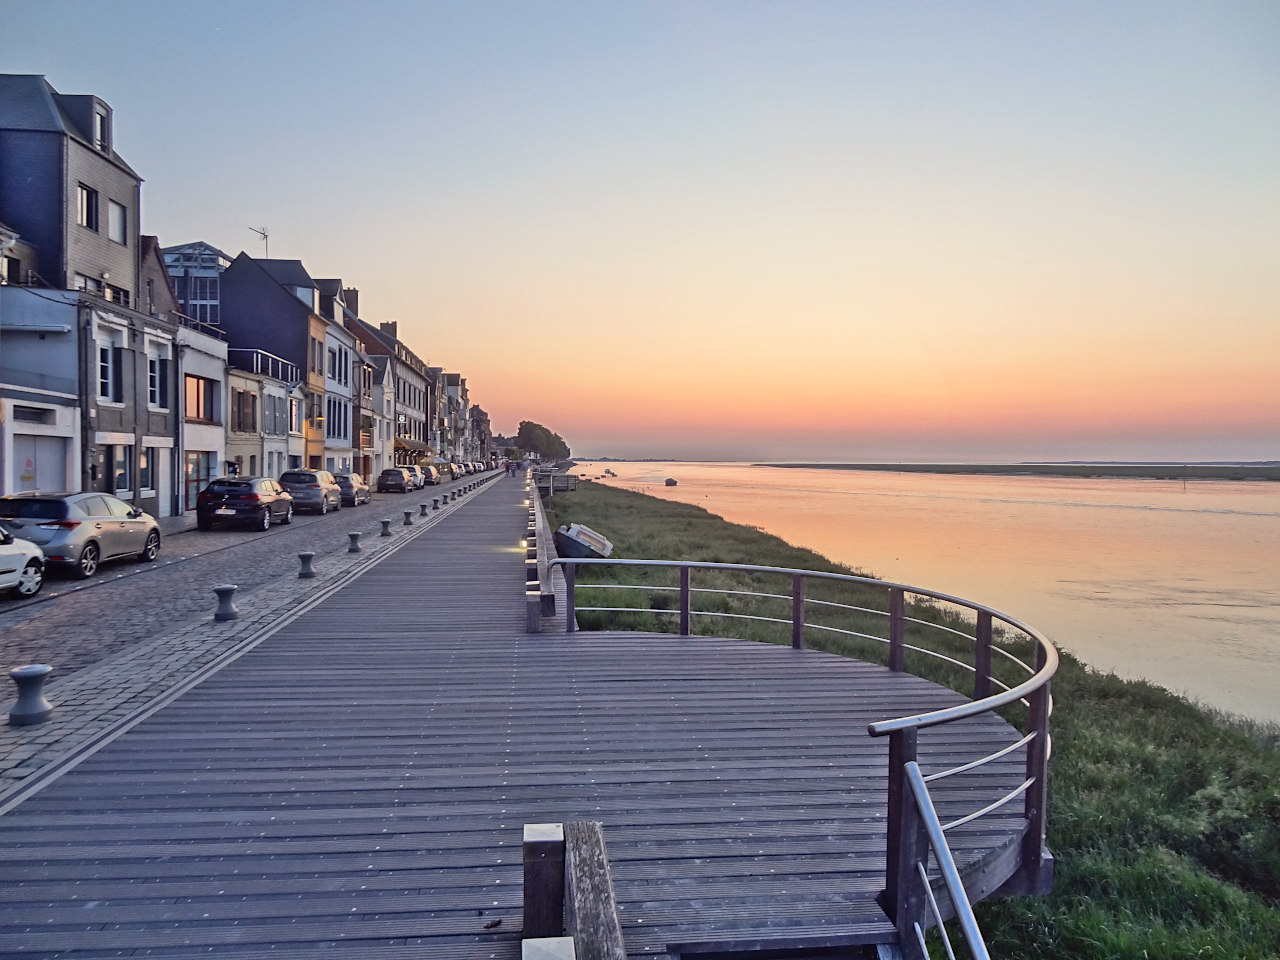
(256,501)
(394,480)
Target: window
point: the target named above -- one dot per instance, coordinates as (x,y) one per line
(200,298)
(101,132)
(333,364)
(120,466)
(201,396)
(87,207)
(158,376)
(244,412)
(110,385)
(147,461)
(117,222)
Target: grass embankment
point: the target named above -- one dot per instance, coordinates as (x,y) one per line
(1164,817)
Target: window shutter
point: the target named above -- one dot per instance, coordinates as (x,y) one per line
(117,374)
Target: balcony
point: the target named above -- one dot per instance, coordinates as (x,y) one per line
(263,363)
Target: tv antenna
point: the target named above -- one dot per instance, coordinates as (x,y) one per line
(266,246)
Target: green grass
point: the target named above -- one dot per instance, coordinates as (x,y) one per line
(1164,817)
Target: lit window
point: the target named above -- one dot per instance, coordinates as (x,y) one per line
(87,207)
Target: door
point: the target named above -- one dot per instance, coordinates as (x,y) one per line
(39,463)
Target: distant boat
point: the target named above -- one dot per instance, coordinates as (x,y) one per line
(579,542)
(671,481)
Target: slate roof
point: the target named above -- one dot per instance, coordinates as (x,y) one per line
(28,102)
(288,273)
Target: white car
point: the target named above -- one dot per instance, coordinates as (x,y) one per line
(21,565)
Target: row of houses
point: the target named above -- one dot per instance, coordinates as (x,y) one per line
(145,370)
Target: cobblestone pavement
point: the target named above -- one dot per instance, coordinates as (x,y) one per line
(122,640)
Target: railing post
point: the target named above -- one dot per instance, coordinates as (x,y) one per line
(797,611)
(685,593)
(570,601)
(897,631)
(543,880)
(1036,799)
(906,845)
(982,657)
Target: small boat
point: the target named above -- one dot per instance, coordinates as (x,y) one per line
(577,541)
(671,481)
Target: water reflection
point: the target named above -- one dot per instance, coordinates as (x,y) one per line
(1176,582)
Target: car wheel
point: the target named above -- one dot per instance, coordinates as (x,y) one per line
(203,524)
(151,549)
(324,506)
(288,515)
(30,580)
(264,521)
(87,565)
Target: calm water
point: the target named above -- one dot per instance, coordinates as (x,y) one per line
(1175,582)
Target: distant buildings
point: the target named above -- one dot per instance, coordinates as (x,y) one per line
(145,371)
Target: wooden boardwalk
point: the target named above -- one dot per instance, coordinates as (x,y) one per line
(359,781)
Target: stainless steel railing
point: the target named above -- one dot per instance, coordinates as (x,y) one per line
(912,824)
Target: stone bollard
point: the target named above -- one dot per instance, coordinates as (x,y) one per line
(386,528)
(305,572)
(435,503)
(422,509)
(354,545)
(31,707)
(453,494)
(408,518)
(226,609)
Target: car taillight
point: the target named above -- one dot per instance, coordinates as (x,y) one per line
(60,524)
(250,496)
(313,486)
(204,495)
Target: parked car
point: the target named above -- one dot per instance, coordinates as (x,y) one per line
(354,490)
(455,471)
(256,501)
(418,478)
(80,530)
(312,490)
(432,476)
(21,565)
(394,480)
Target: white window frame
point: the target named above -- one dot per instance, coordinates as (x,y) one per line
(117,223)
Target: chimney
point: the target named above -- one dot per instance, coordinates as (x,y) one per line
(389,328)
(352,297)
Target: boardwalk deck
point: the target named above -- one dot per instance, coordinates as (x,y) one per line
(360,780)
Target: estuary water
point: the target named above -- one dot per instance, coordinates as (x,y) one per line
(1175,582)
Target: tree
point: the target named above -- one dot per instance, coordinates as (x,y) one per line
(535,438)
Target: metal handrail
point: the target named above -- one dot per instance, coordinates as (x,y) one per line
(879,728)
(947,867)
(1033,867)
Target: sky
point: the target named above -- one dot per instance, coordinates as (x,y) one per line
(838,231)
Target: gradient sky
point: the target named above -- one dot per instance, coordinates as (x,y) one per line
(801,230)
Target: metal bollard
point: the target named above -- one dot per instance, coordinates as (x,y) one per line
(31,707)
(386,528)
(305,572)
(226,609)
(354,545)
(422,509)
(453,494)
(408,518)
(435,503)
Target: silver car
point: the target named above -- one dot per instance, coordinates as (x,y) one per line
(312,489)
(81,530)
(21,565)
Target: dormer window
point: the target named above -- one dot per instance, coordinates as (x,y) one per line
(102,131)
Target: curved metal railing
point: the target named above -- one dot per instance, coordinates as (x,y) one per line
(913,826)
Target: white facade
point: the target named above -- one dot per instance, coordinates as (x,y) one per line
(202,367)
(39,409)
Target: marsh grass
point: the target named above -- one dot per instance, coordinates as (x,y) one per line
(1164,816)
